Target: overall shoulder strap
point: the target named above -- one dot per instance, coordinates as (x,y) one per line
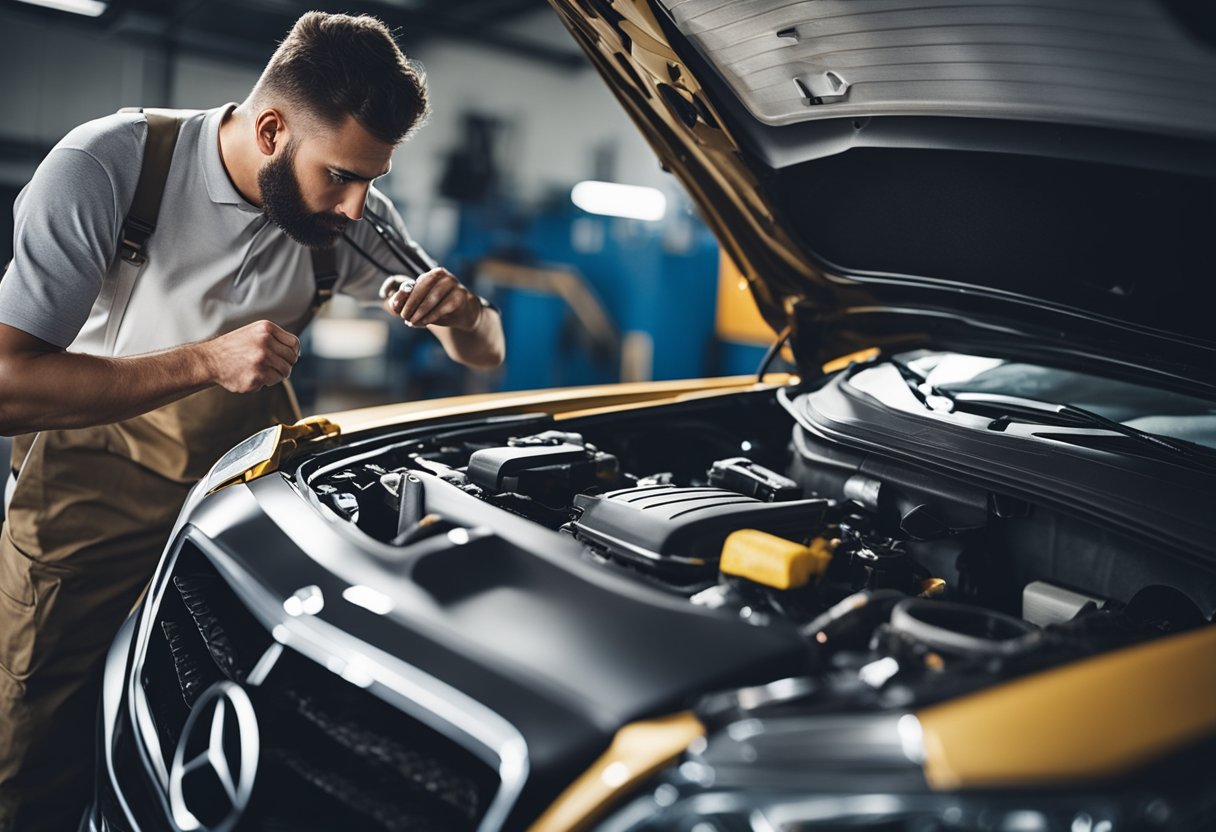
(325,273)
(163,127)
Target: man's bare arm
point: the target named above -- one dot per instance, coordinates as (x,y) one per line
(470,333)
(482,347)
(43,387)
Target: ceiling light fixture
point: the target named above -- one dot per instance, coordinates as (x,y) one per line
(88,8)
(613,200)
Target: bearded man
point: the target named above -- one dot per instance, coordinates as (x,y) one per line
(135,350)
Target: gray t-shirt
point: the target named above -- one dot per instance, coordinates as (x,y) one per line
(215,263)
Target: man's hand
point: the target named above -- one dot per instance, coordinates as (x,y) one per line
(436,297)
(250,358)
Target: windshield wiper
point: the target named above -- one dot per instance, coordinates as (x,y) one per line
(1069,414)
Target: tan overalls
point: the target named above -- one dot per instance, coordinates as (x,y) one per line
(89,517)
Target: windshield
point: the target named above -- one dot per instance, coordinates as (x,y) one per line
(1161,412)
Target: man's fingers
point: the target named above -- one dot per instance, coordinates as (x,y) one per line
(436,296)
(432,297)
(395,283)
(397,302)
(389,286)
(281,350)
(280,367)
(284,337)
(253,357)
(450,304)
(423,287)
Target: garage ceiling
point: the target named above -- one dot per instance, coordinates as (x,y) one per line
(246,30)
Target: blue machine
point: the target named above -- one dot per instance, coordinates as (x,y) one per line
(655,281)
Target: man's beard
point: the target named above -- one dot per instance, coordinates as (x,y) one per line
(284,205)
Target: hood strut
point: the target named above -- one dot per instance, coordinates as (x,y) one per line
(772,352)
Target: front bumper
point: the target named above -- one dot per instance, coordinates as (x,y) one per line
(346,694)
(114,807)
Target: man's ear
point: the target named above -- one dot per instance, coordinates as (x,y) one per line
(270,131)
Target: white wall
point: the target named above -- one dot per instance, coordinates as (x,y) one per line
(557,118)
(201,83)
(58,75)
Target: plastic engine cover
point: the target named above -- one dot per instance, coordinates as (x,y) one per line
(685,527)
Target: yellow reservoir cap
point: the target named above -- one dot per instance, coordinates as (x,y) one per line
(773,561)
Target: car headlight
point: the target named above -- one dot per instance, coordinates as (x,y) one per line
(254,452)
(261,453)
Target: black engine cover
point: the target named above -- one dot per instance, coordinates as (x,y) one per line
(667,526)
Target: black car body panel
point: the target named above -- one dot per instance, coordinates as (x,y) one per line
(553,650)
(1106,482)
(560,649)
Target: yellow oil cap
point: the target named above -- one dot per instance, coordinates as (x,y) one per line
(773,561)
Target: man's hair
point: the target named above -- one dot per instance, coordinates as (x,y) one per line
(334,65)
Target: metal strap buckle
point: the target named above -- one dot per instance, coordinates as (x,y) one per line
(132,252)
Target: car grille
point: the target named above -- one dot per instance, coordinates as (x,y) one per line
(333,754)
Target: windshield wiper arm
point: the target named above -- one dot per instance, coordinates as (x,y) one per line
(1069,412)
(1073,413)
(915,380)
(1082,416)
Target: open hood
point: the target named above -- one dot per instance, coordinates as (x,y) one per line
(1038,178)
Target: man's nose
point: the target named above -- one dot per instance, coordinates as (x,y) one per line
(353,199)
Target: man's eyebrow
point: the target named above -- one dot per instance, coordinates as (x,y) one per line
(358,177)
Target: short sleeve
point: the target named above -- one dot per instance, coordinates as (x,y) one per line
(359,276)
(66,223)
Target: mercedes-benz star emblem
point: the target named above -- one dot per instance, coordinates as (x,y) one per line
(216,760)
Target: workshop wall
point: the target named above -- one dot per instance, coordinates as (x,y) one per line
(57,75)
(554,121)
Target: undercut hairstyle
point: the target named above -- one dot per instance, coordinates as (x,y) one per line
(333,65)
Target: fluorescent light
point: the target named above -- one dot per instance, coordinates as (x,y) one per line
(613,200)
(89,8)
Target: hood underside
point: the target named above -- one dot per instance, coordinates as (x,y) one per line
(1128,64)
(1039,178)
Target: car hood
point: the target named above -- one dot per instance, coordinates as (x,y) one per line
(1037,178)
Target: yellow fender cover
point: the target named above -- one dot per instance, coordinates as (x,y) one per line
(1089,720)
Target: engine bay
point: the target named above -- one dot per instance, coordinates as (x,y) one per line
(905,586)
